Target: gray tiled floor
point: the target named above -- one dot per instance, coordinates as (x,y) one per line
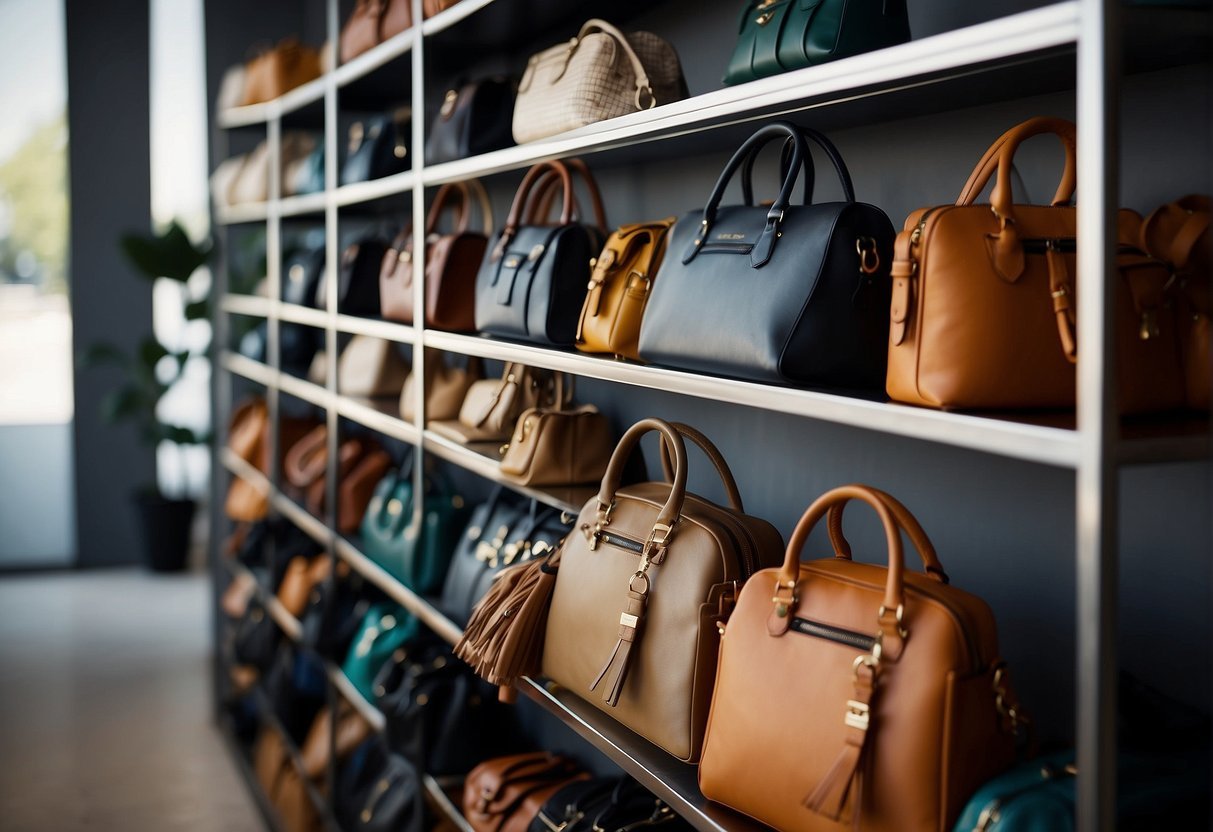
(105,707)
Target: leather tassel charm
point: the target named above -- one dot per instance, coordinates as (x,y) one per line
(616,668)
(830,796)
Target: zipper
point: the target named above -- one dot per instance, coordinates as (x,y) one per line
(916,234)
(726,248)
(1040,245)
(836,634)
(619,541)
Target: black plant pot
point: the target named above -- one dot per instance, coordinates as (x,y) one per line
(165,526)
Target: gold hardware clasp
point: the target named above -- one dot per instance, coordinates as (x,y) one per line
(858,715)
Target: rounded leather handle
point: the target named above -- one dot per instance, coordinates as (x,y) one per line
(714,456)
(785,154)
(528,183)
(580,168)
(305,461)
(543,196)
(453,193)
(998,158)
(476,189)
(672,510)
(775,130)
(908,523)
(642,77)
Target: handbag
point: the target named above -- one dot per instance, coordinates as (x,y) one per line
(249,429)
(278,70)
(433,7)
(385,628)
(303,574)
(325,742)
(251,183)
(605,805)
(501,532)
(892,678)
(361,464)
(231,89)
(223,178)
(619,289)
(649,662)
(378,147)
(789,293)
(531,285)
(600,74)
(358,279)
(371,368)
(379,791)
(256,639)
(476,118)
(775,36)
(304,174)
(983,315)
(438,714)
(416,555)
(446,387)
(558,447)
(506,793)
(332,618)
(295,708)
(372,22)
(492,406)
(1178,234)
(452,261)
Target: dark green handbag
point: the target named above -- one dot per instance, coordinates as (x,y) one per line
(775,36)
(385,627)
(415,556)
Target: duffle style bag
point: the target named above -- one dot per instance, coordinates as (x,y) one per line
(643,581)
(984,309)
(533,279)
(892,678)
(775,36)
(600,74)
(475,118)
(619,289)
(452,261)
(786,293)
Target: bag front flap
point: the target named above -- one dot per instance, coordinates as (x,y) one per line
(502,784)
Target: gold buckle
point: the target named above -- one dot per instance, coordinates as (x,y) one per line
(782,607)
(858,715)
(866,247)
(899,613)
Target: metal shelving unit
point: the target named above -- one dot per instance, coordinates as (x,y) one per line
(1065,45)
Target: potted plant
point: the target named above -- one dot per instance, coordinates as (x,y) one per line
(151,372)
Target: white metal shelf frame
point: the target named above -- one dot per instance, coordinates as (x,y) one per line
(1091,28)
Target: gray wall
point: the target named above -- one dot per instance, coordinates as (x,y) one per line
(107,78)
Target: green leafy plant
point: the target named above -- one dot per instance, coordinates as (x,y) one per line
(154,367)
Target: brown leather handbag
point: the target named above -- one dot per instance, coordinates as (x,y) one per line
(302,575)
(278,70)
(983,308)
(619,289)
(553,446)
(452,261)
(446,387)
(506,793)
(361,463)
(352,729)
(644,579)
(492,406)
(249,438)
(884,703)
(1178,235)
(372,22)
(433,7)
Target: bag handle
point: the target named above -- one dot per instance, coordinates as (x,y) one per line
(305,461)
(476,189)
(1174,243)
(669,514)
(714,456)
(644,90)
(543,195)
(520,200)
(909,524)
(785,157)
(580,168)
(989,162)
(456,193)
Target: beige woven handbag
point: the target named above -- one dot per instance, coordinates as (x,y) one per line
(597,75)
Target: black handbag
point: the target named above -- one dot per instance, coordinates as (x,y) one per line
(500,533)
(379,791)
(358,279)
(379,147)
(786,293)
(334,613)
(532,282)
(295,707)
(439,714)
(256,639)
(475,118)
(604,805)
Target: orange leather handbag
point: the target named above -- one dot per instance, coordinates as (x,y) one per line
(884,701)
(506,793)
(279,70)
(372,22)
(303,574)
(983,313)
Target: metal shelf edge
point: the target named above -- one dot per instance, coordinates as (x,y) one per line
(445,805)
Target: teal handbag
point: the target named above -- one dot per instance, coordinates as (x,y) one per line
(775,36)
(416,556)
(385,628)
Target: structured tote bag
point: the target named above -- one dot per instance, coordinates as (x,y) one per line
(452,261)
(602,73)
(644,579)
(786,293)
(619,289)
(475,118)
(775,36)
(890,681)
(533,279)
(983,313)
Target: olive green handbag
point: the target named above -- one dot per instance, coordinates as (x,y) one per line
(385,627)
(774,36)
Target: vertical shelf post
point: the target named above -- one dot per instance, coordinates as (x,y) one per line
(417,128)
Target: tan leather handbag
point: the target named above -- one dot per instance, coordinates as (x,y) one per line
(302,575)
(884,700)
(279,70)
(558,447)
(372,22)
(446,387)
(361,463)
(433,7)
(248,437)
(602,73)
(1178,234)
(452,261)
(644,579)
(371,367)
(983,308)
(619,289)
(492,406)
(506,793)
